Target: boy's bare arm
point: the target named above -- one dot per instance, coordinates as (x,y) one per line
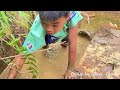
(72,37)
(72,46)
(19,62)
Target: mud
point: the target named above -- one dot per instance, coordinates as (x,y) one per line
(102,56)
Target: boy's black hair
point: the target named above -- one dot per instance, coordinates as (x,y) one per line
(52,15)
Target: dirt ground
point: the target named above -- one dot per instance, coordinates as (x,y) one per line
(54,68)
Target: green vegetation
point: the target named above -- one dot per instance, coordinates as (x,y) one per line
(14,25)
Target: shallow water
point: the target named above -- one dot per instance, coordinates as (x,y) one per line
(54,68)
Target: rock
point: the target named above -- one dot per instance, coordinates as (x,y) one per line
(85,32)
(101,59)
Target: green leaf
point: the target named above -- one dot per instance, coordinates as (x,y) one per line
(27,62)
(27,55)
(14,42)
(31,68)
(3,25)
(24,15)
(23,49)
(34,76)
(2,33)
(12,36)
(32,64)
(32,59)
(5,18)
(19,22)
(17,47)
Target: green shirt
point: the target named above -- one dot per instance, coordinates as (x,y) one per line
(36,38)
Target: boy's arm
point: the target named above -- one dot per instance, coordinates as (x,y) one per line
(72,51)
(72,37)
(19,62)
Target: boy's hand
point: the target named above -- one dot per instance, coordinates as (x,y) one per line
(70,74)
(67,75)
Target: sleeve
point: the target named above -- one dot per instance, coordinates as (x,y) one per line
(35,38)
(75,17)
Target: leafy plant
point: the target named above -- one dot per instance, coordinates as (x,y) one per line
(32,65)
(17,19)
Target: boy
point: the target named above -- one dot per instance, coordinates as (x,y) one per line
(51,27)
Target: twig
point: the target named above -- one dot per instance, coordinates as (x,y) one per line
(88,18)
(31,52)
(8,43)
(16,70)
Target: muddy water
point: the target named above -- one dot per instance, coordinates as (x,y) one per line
(53,68)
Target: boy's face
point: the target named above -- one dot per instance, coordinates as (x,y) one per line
(52,27)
